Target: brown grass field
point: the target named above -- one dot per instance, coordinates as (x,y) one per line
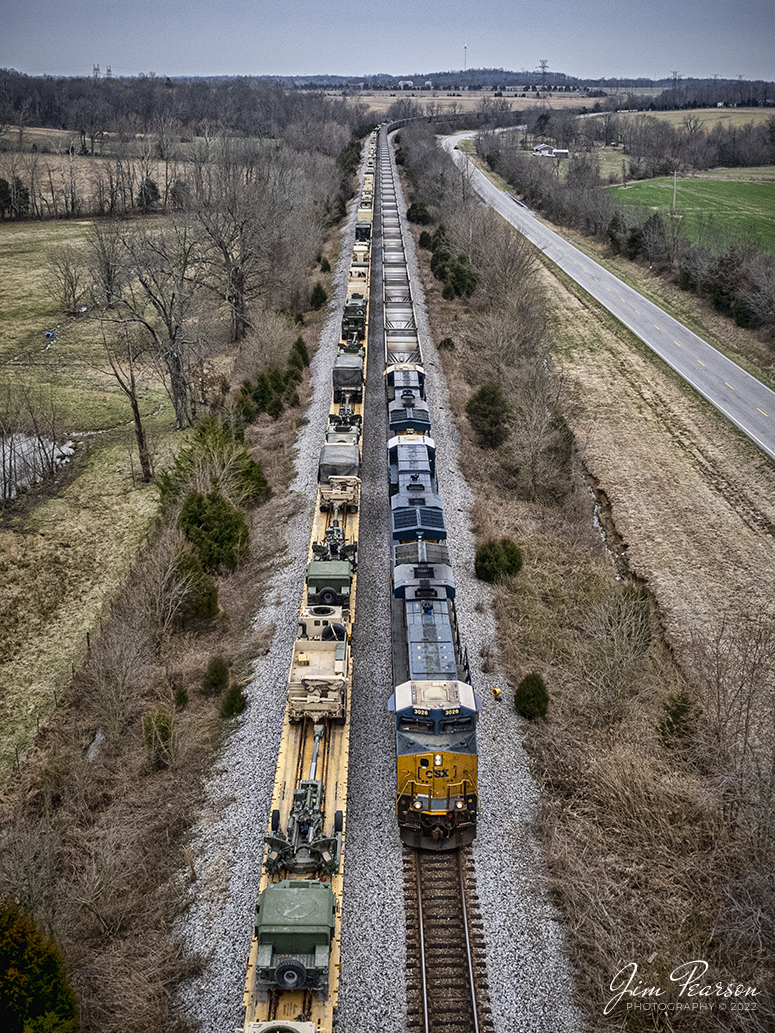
(380,101)
(65,548)
(639,851)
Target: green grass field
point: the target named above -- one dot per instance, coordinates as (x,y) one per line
(710,117)
(711,209)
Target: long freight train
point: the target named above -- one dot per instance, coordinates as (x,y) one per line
(292,978)
(435,706)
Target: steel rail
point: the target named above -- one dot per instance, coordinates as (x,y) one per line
(420,924)
(469,949)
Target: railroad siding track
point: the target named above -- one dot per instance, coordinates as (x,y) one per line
(446,971)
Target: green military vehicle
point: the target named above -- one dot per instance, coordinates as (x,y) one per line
(294,926)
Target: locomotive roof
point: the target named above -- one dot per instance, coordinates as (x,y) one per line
(435,695)
(430,642)
(411,439)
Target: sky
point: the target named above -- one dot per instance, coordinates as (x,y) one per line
(584,38)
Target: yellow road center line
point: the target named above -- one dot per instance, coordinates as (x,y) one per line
(678,343)
(763,412)
(701,362)
(729,385)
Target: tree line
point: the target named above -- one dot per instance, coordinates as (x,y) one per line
(93,107)
(736,273)
(518,396)
(127,146)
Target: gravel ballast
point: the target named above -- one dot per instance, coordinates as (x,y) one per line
(529,975)
(228,844)
(528,970)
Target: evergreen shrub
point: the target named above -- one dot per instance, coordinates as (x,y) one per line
(489,414)
(216,677)
(234,702)
(318,298)
(216,530)
(497,559)
(35,995)
(531,699)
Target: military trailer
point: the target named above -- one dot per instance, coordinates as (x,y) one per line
(329,582)
(338,460)
(294,928)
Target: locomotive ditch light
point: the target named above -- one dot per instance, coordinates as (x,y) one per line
(437,760)
(417,804)
(460,804)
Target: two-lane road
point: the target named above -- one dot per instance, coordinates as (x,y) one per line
(742,398)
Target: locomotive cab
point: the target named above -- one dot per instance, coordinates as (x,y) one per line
(437,799)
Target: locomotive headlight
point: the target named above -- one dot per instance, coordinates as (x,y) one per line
(417,804)
(437,760)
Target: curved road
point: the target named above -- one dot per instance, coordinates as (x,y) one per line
(745,400)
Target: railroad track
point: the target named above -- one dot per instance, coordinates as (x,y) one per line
(446,973)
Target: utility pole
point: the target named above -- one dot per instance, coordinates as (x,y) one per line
(544,65)
(465,58)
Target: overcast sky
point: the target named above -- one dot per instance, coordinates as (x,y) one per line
(585,38)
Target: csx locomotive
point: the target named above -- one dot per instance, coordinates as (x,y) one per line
(435,706)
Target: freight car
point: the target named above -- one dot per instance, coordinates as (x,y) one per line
(292,977)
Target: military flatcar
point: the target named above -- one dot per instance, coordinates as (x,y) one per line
(292,977)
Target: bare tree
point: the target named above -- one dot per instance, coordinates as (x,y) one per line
(268,342)
(166,582)
(614,657)
(119,663)
(150,278)
(29,854)
(734,670)
(539,446)
(66,277)
(124,354)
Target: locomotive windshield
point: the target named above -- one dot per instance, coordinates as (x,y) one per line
(455,724)
(410,723)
